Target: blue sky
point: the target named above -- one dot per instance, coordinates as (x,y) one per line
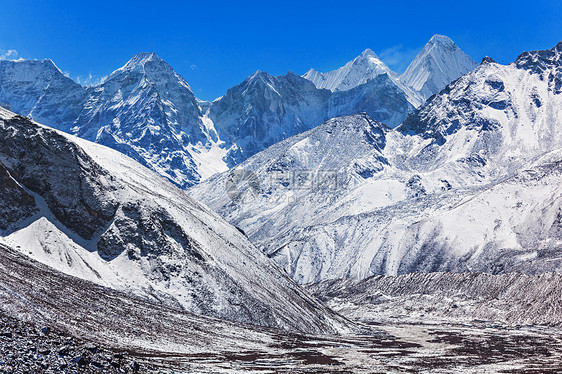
(215,45)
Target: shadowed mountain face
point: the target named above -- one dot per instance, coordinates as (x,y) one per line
(469,182)
(90,212)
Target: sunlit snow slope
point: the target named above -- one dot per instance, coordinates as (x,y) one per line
(439,63)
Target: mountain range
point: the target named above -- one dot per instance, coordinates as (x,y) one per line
(331,222)
(149,112)
(468,182)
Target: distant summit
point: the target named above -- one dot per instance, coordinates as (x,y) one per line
(360,70)
(439,63)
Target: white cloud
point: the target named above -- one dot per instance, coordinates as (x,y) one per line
(398,57)
(90,80)
(8,54)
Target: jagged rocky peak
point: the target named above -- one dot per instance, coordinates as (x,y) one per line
(438,63)
(547,63)
(140,59)
(370,57)
(488,60)
(145,109)
(144,61)
(150,66)
(260,78)
(265,109)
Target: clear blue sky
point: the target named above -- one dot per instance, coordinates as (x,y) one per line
(216,44)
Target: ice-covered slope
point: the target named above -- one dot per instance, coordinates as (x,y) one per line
(438,63)
(447,190)
(91,212)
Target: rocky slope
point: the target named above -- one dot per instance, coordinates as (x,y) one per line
(98,329)
(469,182)
(507,299)
(30,349)
(91,212)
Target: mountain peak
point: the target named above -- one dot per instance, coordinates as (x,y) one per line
(46,63)
(368,53)
(149,65)
(487,60)
(258,76)
(356,72)
(140,59)
(440,39)
(438,63)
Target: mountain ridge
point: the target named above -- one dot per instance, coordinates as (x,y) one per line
(148,111)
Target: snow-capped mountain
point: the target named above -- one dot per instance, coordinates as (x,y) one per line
(470,182)
(264,110)
(91,212)
(149,112)
(144,109)
(360,70)
(39,90)
(365,68)
(438,63)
